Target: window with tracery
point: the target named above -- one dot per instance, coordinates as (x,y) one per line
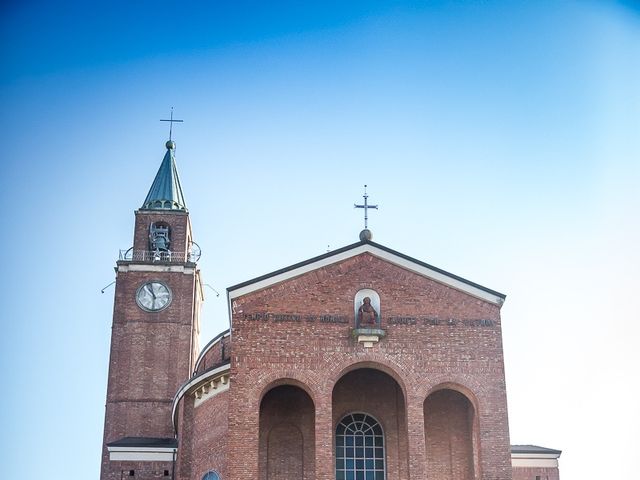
(359,448)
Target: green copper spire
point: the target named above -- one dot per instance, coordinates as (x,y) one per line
(166,192)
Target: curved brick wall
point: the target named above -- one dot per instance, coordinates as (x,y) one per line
(202,437)
(215,354)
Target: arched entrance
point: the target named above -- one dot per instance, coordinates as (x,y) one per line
(449,419)
(287,434)
(369,412)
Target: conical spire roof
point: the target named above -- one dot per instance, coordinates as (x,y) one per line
(166,191)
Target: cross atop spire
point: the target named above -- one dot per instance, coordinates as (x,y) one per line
(366,207)
(171,122)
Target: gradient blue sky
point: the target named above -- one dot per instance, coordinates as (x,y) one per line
(501,140)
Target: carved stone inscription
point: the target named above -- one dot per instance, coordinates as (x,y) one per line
(341,319)
(439,321)
(277,317)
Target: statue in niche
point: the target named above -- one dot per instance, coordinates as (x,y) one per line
(367,315)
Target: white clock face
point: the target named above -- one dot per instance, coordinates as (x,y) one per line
(153,296)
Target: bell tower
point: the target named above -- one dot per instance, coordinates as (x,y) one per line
(154,338)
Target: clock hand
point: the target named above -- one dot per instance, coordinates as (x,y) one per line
(155,297)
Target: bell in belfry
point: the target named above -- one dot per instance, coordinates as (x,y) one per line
(159,237)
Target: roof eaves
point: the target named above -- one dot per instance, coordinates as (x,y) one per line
(439,270)
(296,265)
(534,449)
(144,442)
(339,251)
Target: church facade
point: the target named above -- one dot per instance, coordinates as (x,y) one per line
(359,364)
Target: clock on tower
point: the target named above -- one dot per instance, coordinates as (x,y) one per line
(155,331)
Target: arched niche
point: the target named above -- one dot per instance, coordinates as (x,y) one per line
(374,300)
(451,436)
(287,434)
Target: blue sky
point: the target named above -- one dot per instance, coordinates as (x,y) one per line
(501,140)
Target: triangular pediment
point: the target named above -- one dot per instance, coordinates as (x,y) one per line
(367,247)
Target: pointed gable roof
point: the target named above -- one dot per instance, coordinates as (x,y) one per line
(380,251)
(166,192)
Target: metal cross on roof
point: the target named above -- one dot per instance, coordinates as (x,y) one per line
(172,121)
(366,206)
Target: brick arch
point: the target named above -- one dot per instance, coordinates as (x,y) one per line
(457,387)
(286,434)
(375,389)
(373,361)
(269,381)
(445,413)
(465,384)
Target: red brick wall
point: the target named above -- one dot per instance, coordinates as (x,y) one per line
(448,429)
(205,433)
(525,473)
(287,435)
(284,453)
(152,353)
(142,470)
(436,335)
(186,438)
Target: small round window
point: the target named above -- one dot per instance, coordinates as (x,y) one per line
(211,476)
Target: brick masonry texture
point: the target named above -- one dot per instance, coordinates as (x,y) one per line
(287,435)
(434,382)
(152,353)
(202,437)
(449,433)
(525,473)
(448,340)
(217,355)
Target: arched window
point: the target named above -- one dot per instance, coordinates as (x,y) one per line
(211,476)
(359,448)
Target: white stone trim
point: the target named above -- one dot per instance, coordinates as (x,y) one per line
(534,463)
(210,389)
(378,252)
(534,460)
(368,341)
(133,267)
(141,454)
(199,380)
